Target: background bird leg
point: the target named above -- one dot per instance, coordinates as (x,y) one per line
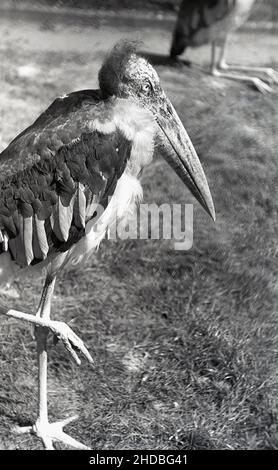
(222,69)
(213,67)
(271,74)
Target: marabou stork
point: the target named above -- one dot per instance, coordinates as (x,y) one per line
(212,21)
(87,149)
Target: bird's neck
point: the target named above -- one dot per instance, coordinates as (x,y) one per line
(137,125)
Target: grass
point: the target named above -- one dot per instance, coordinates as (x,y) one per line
(185,343)
(266,10)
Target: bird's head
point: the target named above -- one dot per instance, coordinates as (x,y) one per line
(126,75)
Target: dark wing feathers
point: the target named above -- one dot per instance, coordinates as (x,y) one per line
(59,125)
(50,174)
(195,15)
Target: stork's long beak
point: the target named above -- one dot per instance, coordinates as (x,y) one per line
(179,152)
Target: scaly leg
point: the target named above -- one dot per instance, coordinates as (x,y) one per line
(222,70)
(50,432)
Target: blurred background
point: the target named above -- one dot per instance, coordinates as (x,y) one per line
(185,343)
(267,11)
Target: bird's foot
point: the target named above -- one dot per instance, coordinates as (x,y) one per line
(62,332)
(272,76)
(260,85)
(52,432)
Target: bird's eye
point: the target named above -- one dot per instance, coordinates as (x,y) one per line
(146,88)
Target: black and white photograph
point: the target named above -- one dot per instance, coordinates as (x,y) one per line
(138,229)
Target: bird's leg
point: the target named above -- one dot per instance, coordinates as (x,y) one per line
(271,74)
(48,432)
(222,69)
(222,64)
(60,330)
(213,58)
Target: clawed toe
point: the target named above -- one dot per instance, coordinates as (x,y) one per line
(261,86)
(272,76)
(70,340)
(52,432)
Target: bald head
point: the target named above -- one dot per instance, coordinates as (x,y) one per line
(125,74)
(131,78)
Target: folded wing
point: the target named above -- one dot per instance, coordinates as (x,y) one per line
(54,172)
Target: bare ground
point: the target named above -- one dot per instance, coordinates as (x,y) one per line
(185,344)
